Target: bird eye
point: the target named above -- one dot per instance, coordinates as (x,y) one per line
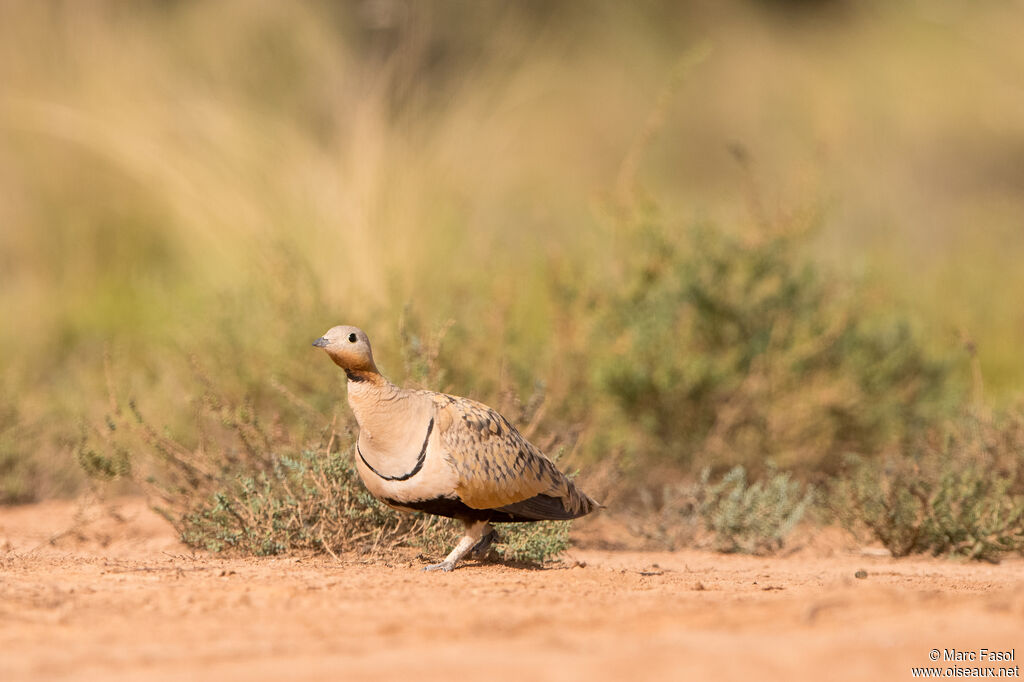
(351,338)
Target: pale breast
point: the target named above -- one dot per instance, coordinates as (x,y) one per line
(434,478)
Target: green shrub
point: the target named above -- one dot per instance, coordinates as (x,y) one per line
(532,543)
(734,349)
(956,491)
(752,518)
(308,501)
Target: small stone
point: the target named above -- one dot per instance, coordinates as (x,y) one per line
(861,574)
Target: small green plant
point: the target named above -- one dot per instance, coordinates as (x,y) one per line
(314,501)
(532,543)
(752,518)
(307,501)
(956,492)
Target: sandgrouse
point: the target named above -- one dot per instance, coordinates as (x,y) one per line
(445,455)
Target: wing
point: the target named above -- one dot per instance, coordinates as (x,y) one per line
(499,469)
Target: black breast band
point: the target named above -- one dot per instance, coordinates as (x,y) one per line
(415,469)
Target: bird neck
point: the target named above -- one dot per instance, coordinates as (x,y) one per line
(369,393)
(367,376)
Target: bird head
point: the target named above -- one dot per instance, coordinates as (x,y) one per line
(349,347)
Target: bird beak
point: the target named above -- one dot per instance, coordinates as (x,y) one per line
(321,342)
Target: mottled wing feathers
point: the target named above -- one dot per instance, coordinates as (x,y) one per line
(499,469)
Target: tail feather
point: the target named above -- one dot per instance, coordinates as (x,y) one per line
(572,505)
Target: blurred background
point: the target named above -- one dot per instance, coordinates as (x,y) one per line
(664,234)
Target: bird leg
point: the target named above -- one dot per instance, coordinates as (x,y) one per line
(481,548)
(474,536)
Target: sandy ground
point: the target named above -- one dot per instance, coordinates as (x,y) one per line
(117,598)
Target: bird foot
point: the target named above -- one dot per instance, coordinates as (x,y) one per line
(478,535)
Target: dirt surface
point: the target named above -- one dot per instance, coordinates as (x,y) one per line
(86,594)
